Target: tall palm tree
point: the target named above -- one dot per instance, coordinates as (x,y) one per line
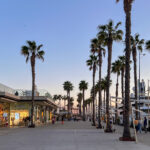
(98,48)
(136,44)
(79,100)
(92,64)
(68,87)
(83,85)
(127,9)
(116,68)
(110,33)
(32,51)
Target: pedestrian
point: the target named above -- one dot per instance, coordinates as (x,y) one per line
(62,120)
(53,120)
(145,125)
(140,126)
(136,125)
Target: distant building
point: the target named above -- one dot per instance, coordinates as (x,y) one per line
(143,100)
(141,88)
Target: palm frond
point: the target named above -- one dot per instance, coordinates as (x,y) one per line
(148,45)
(25,51)
(32,45)
(40,54)
(117,25)
(83,85)
(27,59)
(102,27)
(39,47)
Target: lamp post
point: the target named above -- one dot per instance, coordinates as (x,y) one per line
(140,54)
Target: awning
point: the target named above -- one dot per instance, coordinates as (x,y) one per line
(6,97)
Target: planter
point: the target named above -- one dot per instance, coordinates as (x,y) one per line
(130,139)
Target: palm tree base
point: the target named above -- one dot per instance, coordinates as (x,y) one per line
(93,124)
(99,127)
(31,126)
(131,139)
(108,131)
(83,119)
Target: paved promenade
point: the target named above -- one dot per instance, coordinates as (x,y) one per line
(70,136)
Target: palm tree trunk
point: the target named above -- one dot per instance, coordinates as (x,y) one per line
(122,91)
(122,85)
(126,132)
(60,104)
(68,98)
(108,127)
(94,70)
(33,89)
(100,92)
(64,104)
(83,107)
(80,108)
(104,105)
(116,114)
(135,79)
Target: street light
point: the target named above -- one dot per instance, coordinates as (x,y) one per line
(140,54)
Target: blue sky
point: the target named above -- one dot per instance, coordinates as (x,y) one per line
(65,28)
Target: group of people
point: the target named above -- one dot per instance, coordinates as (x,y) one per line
(58,118)
(138,125)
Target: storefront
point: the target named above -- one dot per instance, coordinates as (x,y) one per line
(4,114)
(5,101)
(16,110)
(18,113)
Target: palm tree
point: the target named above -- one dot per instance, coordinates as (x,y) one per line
(127,9)
(116,68)
(83,85)
(32,52)
(110,33)
(136,44)
(92,64)
(79,100)
(97,48)
(68,87)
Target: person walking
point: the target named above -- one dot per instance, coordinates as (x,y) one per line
(53,120)
(145,124)
(62,120)
(140,126)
